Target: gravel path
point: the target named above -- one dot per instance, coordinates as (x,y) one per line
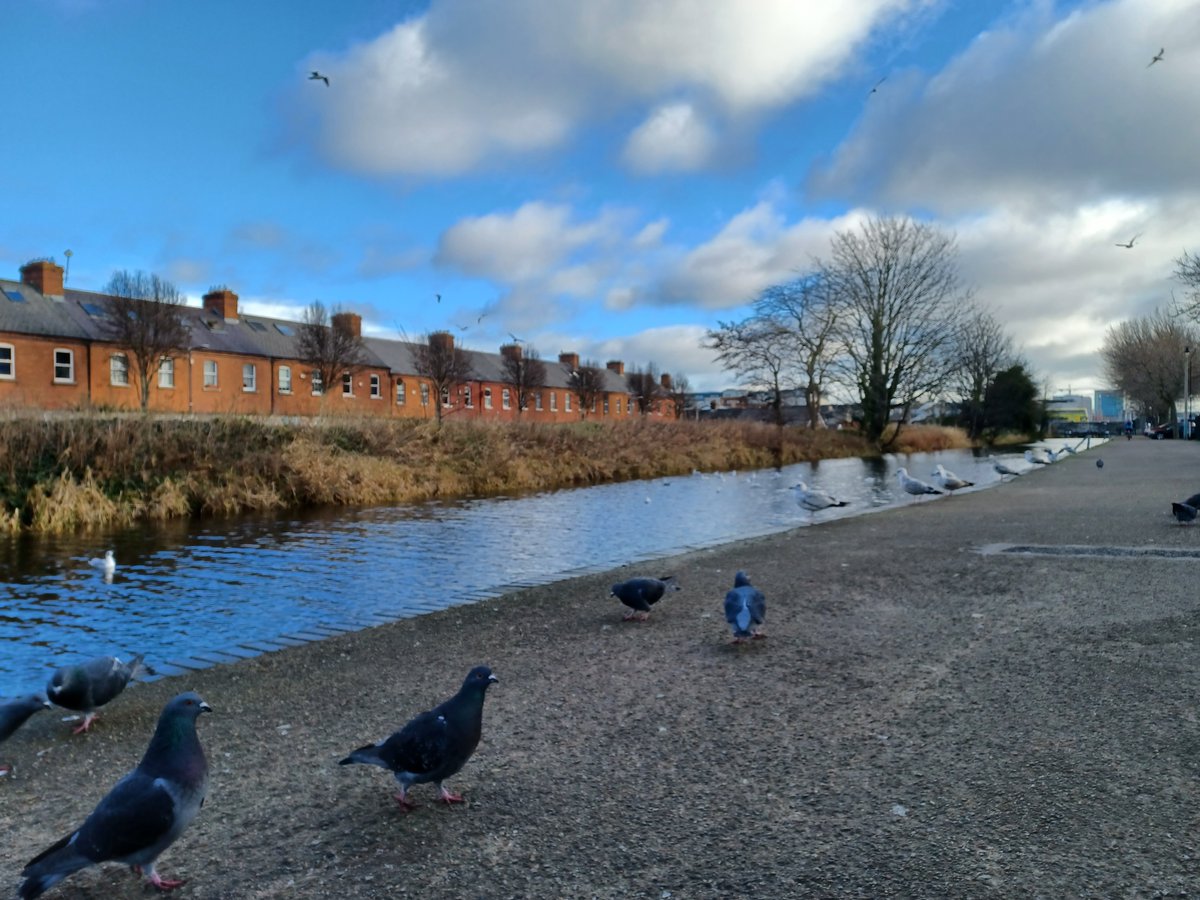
(924,721)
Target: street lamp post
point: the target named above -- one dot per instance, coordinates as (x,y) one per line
(1187,392)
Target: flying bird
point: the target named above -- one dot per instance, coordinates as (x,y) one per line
(92,684)
(1129,246)
(317,76)
(14,714)
(745,609)
(813,499)
(1185,510)
(515,339)
(914,486)
(877,84)
(439,297)
(144,812)
(949,480)
(1158,57)
(1002,469)
(106,564)
(434,745)
(639,594)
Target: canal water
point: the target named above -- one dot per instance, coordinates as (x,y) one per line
(195,593)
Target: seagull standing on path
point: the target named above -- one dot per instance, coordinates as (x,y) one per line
(1041,458)
(949,480)
(914,486)
(1001,468)
(814,500)
(317,76)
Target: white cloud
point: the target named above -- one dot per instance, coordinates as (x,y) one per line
(673,138)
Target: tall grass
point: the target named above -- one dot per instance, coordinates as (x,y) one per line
(88,471)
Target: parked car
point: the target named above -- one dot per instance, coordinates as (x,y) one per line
(1171,430)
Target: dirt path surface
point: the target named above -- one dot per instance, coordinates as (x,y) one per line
(924,720)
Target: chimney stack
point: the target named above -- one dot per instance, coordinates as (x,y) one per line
(570,360)
(350,322)
(665,381)
(44,277)
(511,351)
(222,303)
(442,340)
(615,365)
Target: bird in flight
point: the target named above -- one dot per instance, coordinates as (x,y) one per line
(877,84)
(439,297)
(515,339)
(317,76)
(1129,246)
(1158,57)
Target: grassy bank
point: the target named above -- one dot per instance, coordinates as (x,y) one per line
(79,472)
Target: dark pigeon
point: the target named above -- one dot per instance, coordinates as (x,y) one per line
(1185,510)
(92,684)
(14,714)
(434,745)
(745,609)
(639,594)
(143,814)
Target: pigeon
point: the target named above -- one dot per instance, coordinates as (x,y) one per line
(1001,468)
(13,716)
(107,564)
(143,814)
(434,745)
(92,684)
(949,480)
(1099,464)
(639,594)
(814,500)
(317,76)
(915,486)
(1184,512)
(745,608)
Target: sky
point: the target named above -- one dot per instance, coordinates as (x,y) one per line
(609,177)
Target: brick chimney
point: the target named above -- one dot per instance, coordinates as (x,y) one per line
(350,322)
(570,360)
(665,381)
(511,351)
(222,303)
(442,340)
(44,277)
(615,365)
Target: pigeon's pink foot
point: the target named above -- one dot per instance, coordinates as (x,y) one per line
(643,617)
(4,770)
(448,797)
(87,724)
(166,884)
(758,636)
(404,803)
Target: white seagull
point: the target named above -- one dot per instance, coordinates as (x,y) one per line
(107,564)
(1040,458)
(949,480)
(1001,468)
(914,486)
(814,500)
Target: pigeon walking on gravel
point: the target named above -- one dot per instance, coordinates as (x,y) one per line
(92,684)
(639,594)
(1186,510)
(434,745)
(949,480)
(745,609)
(914,486)
(14,714)
(144,813)
(813,499)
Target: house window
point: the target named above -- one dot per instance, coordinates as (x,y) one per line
(166,372)
(537,401)
(64,366)
(567,402)
(618,406)
(400,395)
(487,398)
(593,404)
(468,398)
(376,390)
(285,379)
(446,398)
(210,373)
(424,395)
(606,406)
(553,402)
(118,370)
(505,399)
(318,388)
(7,366)
(249,377)
(347,384)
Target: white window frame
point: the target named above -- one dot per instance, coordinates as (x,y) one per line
(8,359)
(69,365)
(553,401)
(347,384)
(376,388)
(537,401)
(487,398)
(606,405)
(118,370)
(211,369)
(468,397)
(505,398)
(424,394)
(567,402)
(318,388)
(166,373)
(249,386)
(618,406)
(445,398)
(401,393)
(285,379)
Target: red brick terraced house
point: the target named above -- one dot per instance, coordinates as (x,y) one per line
(55,354)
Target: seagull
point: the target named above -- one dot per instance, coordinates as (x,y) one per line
(1129,246)
(814,500)
(107,564)
(949,480)
(1001,468)
(1158,57)
(914,486)
(515,339)
(317,76)
(1041,458)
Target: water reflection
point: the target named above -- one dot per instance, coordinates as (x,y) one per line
(185,589)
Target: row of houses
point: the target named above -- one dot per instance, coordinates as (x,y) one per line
(57,353)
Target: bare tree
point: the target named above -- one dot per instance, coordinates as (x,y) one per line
(809,315)
(588,384)
(1187,270)
(146,319)
(900,305)
(644,387)
(329,345)
(1144,357)
(678,394)
(760,351)
(983,351)
(443,365)
(525,371)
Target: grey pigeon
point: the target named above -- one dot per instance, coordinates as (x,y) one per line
(1185,510)
(745,608)
(144,813)
(434,745)
(639,594)
(13,716)
(92,684)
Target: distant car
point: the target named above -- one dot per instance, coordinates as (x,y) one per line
(1162,432)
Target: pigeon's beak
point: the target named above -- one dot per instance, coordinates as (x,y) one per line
(492,679)
(204,707)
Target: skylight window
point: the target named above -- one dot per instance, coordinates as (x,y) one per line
(14,296)
(256,326)
(285,330)
(93,310)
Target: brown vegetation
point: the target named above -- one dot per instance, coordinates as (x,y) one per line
(78,472)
